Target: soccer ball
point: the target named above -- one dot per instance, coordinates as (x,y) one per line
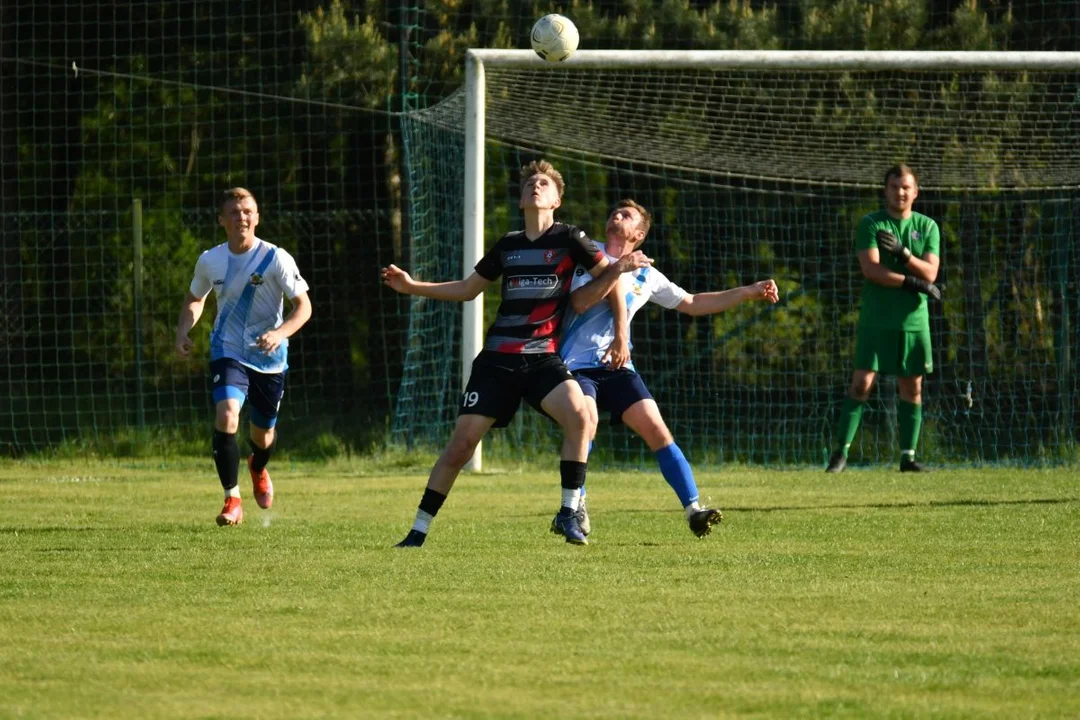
(554,37)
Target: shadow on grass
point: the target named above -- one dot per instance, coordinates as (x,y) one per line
(904,505)
(851,506)
(47,529)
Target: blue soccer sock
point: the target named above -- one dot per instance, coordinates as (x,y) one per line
(583,486)
(677,472)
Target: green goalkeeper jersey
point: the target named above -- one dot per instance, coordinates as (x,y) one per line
(896,308)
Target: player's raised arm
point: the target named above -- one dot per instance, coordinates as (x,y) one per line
(455,290)
(606,275)
(711,303)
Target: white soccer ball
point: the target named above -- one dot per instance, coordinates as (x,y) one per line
(554,37)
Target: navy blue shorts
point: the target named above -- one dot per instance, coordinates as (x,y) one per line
(500,381)
(231,380)
(613,390)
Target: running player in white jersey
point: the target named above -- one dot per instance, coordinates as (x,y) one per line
(594,347)
(248,344)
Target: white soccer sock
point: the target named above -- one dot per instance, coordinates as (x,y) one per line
(571,497)
(908,452)
(234,491)
(692,508)
(422,521)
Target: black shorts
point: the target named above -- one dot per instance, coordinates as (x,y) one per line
(232,380)
(500,381)
(613,390)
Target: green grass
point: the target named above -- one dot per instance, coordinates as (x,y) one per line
(865,594)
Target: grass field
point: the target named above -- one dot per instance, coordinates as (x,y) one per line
(865,594)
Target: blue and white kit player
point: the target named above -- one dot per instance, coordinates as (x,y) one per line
(248,344)
(596,350)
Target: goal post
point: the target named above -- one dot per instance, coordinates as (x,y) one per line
(819,126)
(472,317)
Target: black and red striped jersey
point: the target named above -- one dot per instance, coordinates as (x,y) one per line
(536,278)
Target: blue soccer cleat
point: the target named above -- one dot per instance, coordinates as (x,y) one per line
(566,524)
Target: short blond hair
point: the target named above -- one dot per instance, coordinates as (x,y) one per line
(542,167)
(235,193)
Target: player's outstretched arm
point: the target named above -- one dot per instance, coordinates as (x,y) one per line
(455,290)
(606,275)
(190,312)
(711,303)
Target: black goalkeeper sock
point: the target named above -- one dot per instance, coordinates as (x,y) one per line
(261,456)
(226,458)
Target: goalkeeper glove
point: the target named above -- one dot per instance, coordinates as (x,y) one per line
(888,242)
(918,285)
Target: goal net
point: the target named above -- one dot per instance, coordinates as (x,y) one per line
(756,165)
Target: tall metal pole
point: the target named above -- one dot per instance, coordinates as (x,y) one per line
(137,294)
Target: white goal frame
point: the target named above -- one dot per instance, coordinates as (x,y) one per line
(476,60)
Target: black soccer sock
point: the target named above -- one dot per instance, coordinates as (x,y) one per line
(573,479)
(226,458)
(432,501)
(573,474)
(261,456)
(429,508)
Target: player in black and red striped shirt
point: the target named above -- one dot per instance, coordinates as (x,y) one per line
(520,358)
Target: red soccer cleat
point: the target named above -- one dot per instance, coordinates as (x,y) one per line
(232,513)
(261,486)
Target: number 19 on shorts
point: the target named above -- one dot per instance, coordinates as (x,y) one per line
(470,399)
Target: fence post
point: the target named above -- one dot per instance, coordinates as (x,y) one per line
(137,294)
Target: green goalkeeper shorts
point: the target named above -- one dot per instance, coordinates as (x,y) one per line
(901,353)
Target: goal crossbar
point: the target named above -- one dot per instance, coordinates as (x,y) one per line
(786,60)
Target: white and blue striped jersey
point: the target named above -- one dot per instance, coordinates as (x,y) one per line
(249,288)
(586,337)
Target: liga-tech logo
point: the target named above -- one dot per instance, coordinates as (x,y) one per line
(532,282)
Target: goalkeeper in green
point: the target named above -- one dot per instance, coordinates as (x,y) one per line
(899,253)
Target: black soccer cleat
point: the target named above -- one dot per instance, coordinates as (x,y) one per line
(908,464)
(837,463)
(415,538)
(701,521)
